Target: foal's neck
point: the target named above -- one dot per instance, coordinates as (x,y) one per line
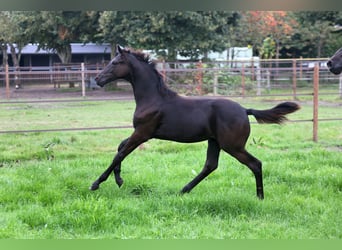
(148,87)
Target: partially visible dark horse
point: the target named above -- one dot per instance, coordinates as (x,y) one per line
(335,63)
(163,114)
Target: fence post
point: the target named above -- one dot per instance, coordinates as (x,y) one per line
(258,76)
(341,86)
(301,68)
(268,77)
(243,80)
(83,80)
(7,82)
(315,102)
(215,83)
(199,76)
(294,79)
(252,67)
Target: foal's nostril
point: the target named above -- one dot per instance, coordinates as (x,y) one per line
(329,64)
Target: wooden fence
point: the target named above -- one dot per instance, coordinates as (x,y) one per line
(262,78)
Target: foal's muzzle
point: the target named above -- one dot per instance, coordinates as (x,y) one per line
(98,81)
(334,70)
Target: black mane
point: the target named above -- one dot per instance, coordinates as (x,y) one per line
(145,58)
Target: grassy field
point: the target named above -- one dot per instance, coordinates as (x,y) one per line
(44,179)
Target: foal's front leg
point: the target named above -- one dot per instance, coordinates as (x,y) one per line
(125,148)
(117,168)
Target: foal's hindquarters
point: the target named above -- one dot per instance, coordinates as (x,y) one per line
(230,129)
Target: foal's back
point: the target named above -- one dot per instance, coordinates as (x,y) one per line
(191,119)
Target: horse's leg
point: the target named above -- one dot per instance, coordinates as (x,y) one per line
(253,164)
(211,163)
(127,147)
(117,168)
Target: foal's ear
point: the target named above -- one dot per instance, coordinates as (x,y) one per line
(118,49)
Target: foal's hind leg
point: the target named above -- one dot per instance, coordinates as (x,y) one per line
(253,164)
(211,163)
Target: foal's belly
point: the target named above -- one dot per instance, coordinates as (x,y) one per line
(185,127)
(183,136)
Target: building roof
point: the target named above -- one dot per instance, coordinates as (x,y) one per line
(76,48)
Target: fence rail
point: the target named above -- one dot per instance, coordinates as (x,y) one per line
(279,70)
(265,78)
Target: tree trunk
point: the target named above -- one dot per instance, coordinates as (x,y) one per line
(319,48)
(16,60)
(172,55)
(4,54)
(15,56)
(64,53)
(112,50)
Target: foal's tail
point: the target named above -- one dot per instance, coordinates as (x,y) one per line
(274,115)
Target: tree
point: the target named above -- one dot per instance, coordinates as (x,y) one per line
(56,30)
(113,26)
(4,30)
(188,33)
(15,33)
(316,36)
(255,26)
(268,48)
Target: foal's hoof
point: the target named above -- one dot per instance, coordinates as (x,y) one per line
(119,182)
(185,190)
(261,197)
(94,187)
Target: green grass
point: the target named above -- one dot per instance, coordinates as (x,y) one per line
(44,179)
(24,116)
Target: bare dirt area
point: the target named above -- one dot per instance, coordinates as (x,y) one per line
(43,92)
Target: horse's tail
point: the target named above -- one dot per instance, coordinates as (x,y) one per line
(274,115)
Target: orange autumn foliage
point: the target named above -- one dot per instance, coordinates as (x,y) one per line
(276,23)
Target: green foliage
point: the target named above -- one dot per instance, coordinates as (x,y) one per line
(189,33)
(55,30)
(49,151)
(15,33)
(268,48)
(227,84)
(314,36)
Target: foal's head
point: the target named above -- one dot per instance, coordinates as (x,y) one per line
(118,68)
(335,62)
(133,66)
